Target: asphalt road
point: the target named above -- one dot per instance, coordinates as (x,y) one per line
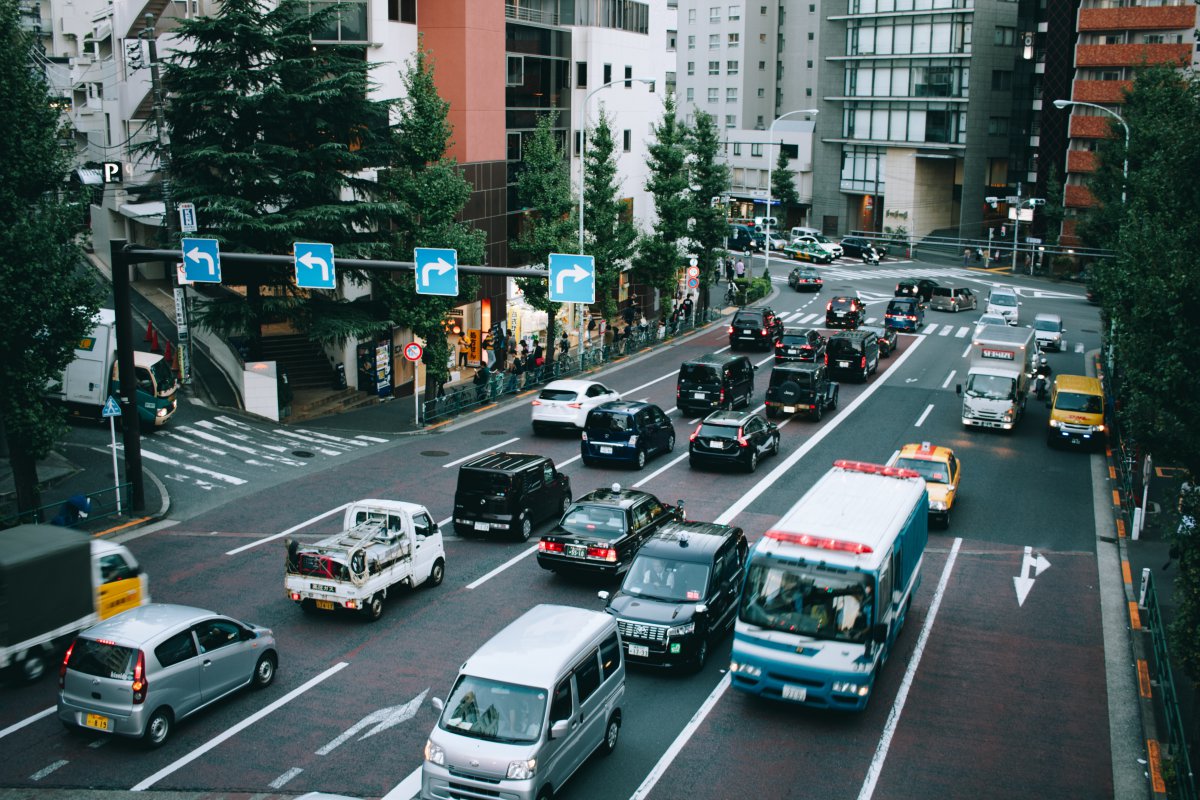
(983,697)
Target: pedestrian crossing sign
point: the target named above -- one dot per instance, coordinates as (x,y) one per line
(111,409)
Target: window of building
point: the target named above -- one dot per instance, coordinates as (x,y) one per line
(756,150)
(808,92)
(1153,38)
(628,77)
(731,95)
(714,68)
(692,15)
(713,94)
(1005,37)
(759,123)
(348,24)
(691,42)
(1001,79)
(691,94)
(515,75)
(672,39)
(670,81)
(731,68)
(403,11)
(737,148)
(714,14)
(730,120)
(812,8)
(578,142)
(762,65)
(691,68)
(762,10)
(714,41)
(514,146)
(580,74)
(607,74)
(762,92)
(627,140)
(997,126)
(735,12)
(735,39)
(811,36)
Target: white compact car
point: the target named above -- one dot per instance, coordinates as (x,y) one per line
(989,319)
(1005,303)
(565,404)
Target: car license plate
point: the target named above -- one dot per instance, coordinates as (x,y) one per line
(791,351)
(483,526)
(717,443)
(697,395)
(1074,440)
(839,314)
(576,550)
(639,650)
(325,605)
(843,363)
(789,409)
(798,693)
(606,451)
(746,332)
(98,722)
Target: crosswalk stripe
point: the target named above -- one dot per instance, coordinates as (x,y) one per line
(330,438)
(945,331)
(961,332)
(375,439)
(930,328)
(1079,347)
(809,319)
(230,479)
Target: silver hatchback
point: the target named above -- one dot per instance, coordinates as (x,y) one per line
(140,672)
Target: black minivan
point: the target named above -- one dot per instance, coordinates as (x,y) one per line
(508,493)
(713,381)
(627,432)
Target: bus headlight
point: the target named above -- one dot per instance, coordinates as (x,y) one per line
(434,754)
(162,412)
(745,669)
(521,770)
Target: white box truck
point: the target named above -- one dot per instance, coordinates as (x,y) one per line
(1003,361)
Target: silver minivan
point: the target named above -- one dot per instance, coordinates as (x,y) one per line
(140,672)
(1003,301)
(1049,330)
(528,708)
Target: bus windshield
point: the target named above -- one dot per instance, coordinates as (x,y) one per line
(808,600)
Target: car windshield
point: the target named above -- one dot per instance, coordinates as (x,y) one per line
(718,431)
(991,319)
(801,379)
(932,471)
(1081,403)
(665,579)
(805,274)
(164,379)
(808,600)
(1003,300)
(494,711)
(1052,325)
(990,387)
(599,522)
(700,373)
(609,421)
(821,238)
(941,291)
(561,395)
(900,308)
(477,480)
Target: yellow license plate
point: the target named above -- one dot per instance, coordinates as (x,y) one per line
(97,721)
(325,604)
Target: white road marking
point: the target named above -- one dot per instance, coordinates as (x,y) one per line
(407,789)
(496,446)
(150,454)
(893,720)
(650,383)
(446,521)
(291,462)
(16,726)
(682,739)
(177,434)
(930,328)
(723,349)
(562,464)
(765,360)
(523,554)
(925,414)
(949,378)
(279,782)
(661,469)
(945,331)
(292,529)
(375,439)
(961,332)
(311,442)
(809,319)
(44,771)
(967,351)
(238,728)
(1079,347)
(379,720)
(96,745)
(335,439)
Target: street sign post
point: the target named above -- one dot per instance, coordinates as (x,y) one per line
(187,217)
(572,278)
(413,352)
(314,265)
(437,270)
(111,411)
(202,260)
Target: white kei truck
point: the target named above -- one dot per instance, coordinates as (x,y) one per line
(1003,362)
(383,545)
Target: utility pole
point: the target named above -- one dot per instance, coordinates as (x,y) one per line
(1016,227)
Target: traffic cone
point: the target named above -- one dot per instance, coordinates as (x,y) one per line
(167,350)
(149,331)
(177,364)
(153,339)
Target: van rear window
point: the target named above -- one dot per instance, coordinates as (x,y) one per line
(480,480)
(942,291)
(562,395)
(700,373)
(842,347)
(102,659)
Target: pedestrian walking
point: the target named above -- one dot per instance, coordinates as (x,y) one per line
(564,344)
(967,257)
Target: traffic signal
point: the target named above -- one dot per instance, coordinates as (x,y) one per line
(135,54)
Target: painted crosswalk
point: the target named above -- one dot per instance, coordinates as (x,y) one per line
(225,452)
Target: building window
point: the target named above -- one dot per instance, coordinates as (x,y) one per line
(691,94)
(731,68)
(735,12)
(808,92)
(756,150)
(811,35)
(627,140)
(692,16)
(349,24)
(516,71)
(672,38)
(762,10)
(403,11)
(713,93)
(1005,37)
(810,63)
(762,65)
(730,120)
(714,14)
(812,8)
(1153,38)
(670,83)
(691,42)
(735,39)
(628,77)
(714,68)
(607,74)
(762,92)
(731,95)
(759,124)
(514,145)
(691,68)
(578,141)
(737,148)
(1001,79)
(714,41)
(762,38)
(580,74)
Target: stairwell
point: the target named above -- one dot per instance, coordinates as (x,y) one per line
(306,363)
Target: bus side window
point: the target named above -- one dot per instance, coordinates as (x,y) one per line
(884,596)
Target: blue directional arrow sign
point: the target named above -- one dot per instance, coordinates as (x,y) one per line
(437,270)
(111,409)
(314,265)
(202,260)
(572,278)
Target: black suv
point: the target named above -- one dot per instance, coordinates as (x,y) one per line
(625,431)
(888,339)
(601,531)
(800,344)
(801,388)
(845,312)
(733,437)
(855,246)
(757,326)
(922,288)
(805,279)
(716,380)
(681,594)
(853,353)
(508,493)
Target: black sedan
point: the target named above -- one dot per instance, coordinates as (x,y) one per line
(805,279)
(888,340)
(601,531)
(800,344)
(855,246)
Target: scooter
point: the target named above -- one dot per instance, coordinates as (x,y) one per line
(871,256)
(1041,379)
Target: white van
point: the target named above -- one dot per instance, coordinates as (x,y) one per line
(528,708)
(797,232)
(1004,302)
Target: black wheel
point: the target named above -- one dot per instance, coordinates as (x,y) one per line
(374,608)
(671,443)
(437,574)
(875,367)
(611,733)
(865,372)
(640,459)
(752,464)
(693,463)
(32,667)
(589,462)
(264,671)
(818,412)
(463,531)
(946,520)
(546,793)
(833,402)
(158,728)
(701,655)
(526,527)
(775,447)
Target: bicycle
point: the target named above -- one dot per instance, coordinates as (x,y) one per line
(733,296)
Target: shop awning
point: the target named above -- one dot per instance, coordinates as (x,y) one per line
(146,213)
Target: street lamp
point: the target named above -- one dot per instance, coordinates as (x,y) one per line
(1124,124)
(770,168)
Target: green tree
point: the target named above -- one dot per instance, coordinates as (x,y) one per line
(660,252)
(609,234)
(783,184)
(432,192)
(708,178)
(47,304)
(550,225)
(272,138)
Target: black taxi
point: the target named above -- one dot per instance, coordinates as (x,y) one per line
(601,531)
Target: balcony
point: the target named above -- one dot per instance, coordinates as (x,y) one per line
(1078,197)
(1138,18)
(1081,161)
(1104,92)
(1132,55)
(1091,127)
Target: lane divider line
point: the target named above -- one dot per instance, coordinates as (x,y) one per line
(16,726)
(496,446)
(292,529)
(475,584)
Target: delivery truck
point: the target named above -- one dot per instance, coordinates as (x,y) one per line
(54,583)
(1003,361)
(92,376)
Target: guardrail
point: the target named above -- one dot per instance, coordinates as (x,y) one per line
(500,385)
(103,505)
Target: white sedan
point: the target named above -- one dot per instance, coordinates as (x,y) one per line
(989,319)
(565,404)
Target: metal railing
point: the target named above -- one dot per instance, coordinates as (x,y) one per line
(103,503)
(1181,781)
(576,361)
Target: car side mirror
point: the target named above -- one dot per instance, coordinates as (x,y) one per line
(602,594)
(438,704)
(958,389)
(559,729)
(701,608)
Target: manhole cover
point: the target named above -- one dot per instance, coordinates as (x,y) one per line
(435,453)
(302,454)
(495,433)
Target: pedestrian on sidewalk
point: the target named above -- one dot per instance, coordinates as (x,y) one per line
(739,269)
(729,271)
(564,344)
(967,257)
(463,351)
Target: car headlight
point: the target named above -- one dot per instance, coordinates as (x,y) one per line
(745,669)
(521,770)
(682,630)
(1099,429)
(1007,416)
(846,687)
(162,412)
(937,505)
(968,413)
(1054,423)
(434,753)
(633,440)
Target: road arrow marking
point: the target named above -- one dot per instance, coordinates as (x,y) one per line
(382,719)
(309,260)
(195,254)
(441,267)
(1023,582)
(576,273)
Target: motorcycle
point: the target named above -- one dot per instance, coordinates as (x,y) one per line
(870,256)
(1041,379)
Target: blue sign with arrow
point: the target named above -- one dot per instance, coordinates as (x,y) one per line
(111,409)
(202,260)
(572,278)
(437,270)
(314,265)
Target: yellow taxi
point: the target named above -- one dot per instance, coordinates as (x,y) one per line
(941,471)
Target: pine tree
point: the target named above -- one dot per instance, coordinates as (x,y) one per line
(660,252)
(710,174)
(47,305)
(783,184)
(610,233)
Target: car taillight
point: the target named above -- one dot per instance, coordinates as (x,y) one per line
(722,397)
(574,405)
(778,344)
(826,359)
(864,361)
(731,330)
(829,305)
(607,553)
(62,671)
(549,547)
(536,403)
(742,439)
(584,435)
(912,317)
(695,433)
(140,684)
(764,331)
(677,394)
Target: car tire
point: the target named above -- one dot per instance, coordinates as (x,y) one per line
(612,733)
(437,574)
(546,793)
(752,464)
(701,655)
(538,428)
(526,527)
(773,412)
(875,366)
(158,728)
(833,403)
(775,448)
(818,413)
(463,531)
(639,461)
(671,443)
(374,608)
(588,462)
(693,463)
(264,671)
(865,372)
(32,668)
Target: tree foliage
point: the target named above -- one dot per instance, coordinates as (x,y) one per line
(709,174)
(1053,212)
(47,305)
(610,233)
(660,252)
(783,183)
